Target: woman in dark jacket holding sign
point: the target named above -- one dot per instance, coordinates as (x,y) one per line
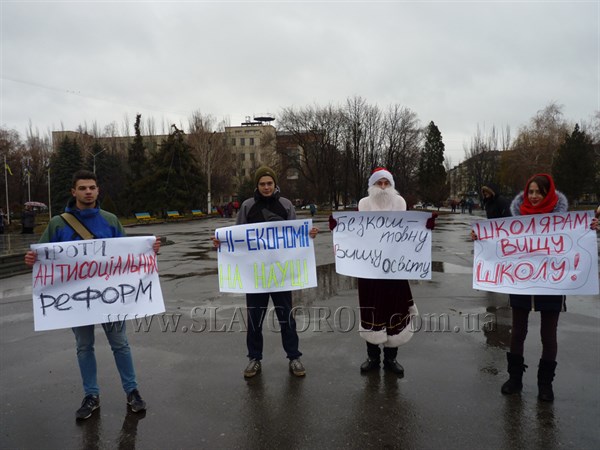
(539,197)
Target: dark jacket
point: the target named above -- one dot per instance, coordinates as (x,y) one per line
(539,302)
(28,218)
(265,209)
(496,206)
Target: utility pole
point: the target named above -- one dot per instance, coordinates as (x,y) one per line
(208,169)
(28,159)
(6,188)
(49,197)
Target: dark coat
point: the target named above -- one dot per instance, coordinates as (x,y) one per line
(539,302)
(496,206)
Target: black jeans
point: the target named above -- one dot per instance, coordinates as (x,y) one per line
(257,308)
(548,326)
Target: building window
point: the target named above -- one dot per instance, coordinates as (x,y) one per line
(242,141)
(233,141)
(252,156)
(251,141)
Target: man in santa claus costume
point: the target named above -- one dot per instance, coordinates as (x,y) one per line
(386,305)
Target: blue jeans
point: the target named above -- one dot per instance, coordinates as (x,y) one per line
(117,338)
(257,307)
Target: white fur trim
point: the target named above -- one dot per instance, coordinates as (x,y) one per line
(373,337)
(381,337)
(405,335)
(379,174)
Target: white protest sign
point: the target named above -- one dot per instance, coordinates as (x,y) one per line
(80,283)
(542,254)
(383,244)
(266,257)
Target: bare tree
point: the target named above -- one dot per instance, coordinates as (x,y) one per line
(207,140)
(402,138)
(312,137)
(482,160)
(37,151)
(362,153)
(536,145)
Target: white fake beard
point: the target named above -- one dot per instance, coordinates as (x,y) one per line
(382,198)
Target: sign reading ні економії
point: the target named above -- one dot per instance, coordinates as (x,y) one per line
(266,257)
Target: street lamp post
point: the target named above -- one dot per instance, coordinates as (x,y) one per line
(208,169)
(28,159)
(94,156)
(49,197)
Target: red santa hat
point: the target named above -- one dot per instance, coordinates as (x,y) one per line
(380,173)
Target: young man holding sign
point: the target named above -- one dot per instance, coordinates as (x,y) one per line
(267,206)
(85,220)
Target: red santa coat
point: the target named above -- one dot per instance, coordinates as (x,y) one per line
(386,306)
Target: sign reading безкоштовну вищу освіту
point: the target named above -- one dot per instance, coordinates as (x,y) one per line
(383,245)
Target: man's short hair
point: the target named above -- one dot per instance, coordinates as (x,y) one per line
(83,175)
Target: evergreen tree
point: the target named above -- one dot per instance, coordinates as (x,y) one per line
(63,164)
(246,190)
(575,167)
(137,152)
(112,180)
(432,174)
(137,160)
(174,180)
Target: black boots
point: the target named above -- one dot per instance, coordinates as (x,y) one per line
(516,367)
(545,376)
(372,362)
(369,365)
(389,361)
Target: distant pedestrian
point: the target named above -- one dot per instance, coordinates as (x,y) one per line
(463,205)
(27,220)
(2,221)
(470,205)
(495,205)
(313,209)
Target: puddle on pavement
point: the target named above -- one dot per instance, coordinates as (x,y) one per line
(202,254)
(178,276)
(329,282)
(443,267)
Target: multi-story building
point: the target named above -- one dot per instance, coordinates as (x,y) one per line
(252,144)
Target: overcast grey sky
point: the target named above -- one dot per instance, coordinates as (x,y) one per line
(460,64)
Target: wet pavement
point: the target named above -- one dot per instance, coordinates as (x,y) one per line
(189,364)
